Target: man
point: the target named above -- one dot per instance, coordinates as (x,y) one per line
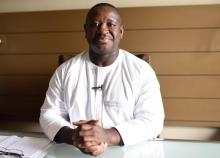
(104,96)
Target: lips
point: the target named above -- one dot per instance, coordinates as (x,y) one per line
(102,39)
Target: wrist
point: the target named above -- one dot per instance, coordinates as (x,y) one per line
(114,137)
(64,135)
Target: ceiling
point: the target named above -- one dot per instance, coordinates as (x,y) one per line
(43,5)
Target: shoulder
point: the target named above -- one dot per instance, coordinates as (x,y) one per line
(141,70)
(134,62)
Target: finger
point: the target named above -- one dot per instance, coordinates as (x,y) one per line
(86,127)
(93,148)
(90,143)
(100,149)
(86,132)
(96,149)
(94,122)
(97,152)
(90,136)
(90,139)
(80,122)
(86,150)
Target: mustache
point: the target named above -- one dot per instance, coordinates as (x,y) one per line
(103,36)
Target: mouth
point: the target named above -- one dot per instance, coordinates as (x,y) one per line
(102,40)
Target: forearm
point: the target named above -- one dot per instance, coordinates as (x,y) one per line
(64,135)
(139,130)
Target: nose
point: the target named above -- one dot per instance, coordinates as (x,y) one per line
(103,28)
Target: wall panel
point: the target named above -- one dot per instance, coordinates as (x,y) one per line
(23,85)
(190,86)
(28,64)
(172,17)
(36,43)
(133,18)
(171,86)
(50,21)
(134,40)
(192,63)
(27,107)
(192,109)
(172,40)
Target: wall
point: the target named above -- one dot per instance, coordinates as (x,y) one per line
(183,42)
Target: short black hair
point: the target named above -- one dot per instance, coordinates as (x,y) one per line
(103,5)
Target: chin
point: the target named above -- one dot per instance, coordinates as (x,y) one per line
(101,50)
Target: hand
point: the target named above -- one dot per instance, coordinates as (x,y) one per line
(97,149)
(80,140)
(94,149)
(93,133)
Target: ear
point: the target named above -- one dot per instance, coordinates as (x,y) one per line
(85,30)
(122,31)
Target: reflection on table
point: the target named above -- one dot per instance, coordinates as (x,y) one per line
(148,149)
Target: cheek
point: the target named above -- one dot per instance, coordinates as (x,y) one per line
(89,36)
(118,37)
(118,34)
(90,32)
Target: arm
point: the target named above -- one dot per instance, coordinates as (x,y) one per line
(148,114)
(65,135)
(53,114)
(54,117)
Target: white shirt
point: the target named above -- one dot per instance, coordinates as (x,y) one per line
(129,100)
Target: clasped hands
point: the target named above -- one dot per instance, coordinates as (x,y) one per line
(90,137)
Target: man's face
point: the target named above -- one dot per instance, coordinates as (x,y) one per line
(103,30)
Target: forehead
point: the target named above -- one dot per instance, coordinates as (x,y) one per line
(103,12)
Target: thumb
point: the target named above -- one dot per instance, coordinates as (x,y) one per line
(95,122)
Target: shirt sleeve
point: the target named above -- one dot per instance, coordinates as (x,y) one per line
(148,118)
(53,114)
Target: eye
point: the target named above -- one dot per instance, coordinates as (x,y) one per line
(94,24)
(110,24)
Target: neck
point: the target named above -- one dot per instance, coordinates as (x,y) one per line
(103,59)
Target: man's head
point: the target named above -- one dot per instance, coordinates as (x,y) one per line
(104,29)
